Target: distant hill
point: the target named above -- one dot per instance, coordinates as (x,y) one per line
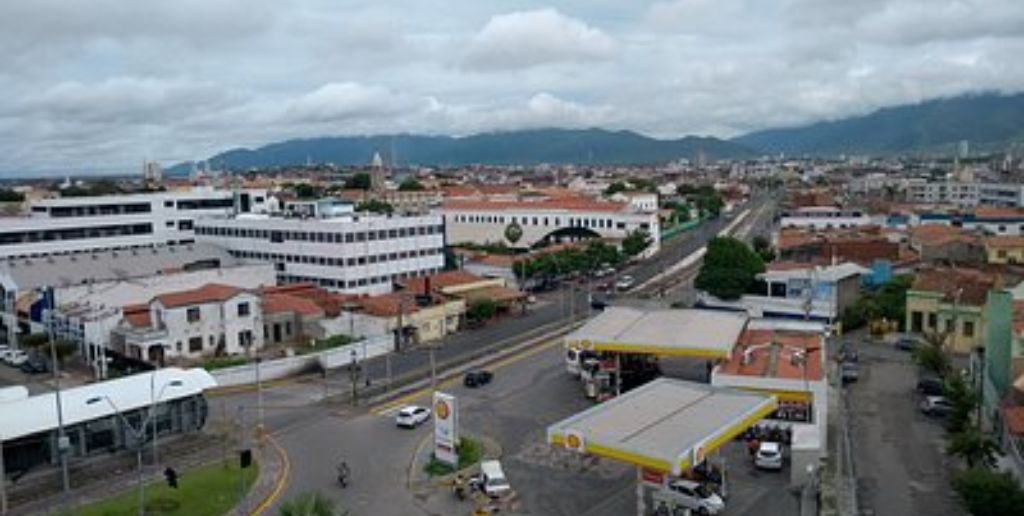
(988,121)
(528,147)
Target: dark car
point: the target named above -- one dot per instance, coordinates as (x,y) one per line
(35,365)
(477,378)
(906,343)
(931,386)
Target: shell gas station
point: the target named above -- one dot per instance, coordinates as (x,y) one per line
(764,373)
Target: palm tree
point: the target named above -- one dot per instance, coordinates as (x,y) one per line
(310,504)
(975,448)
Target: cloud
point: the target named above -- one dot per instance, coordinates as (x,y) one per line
(349,100)
(531,38)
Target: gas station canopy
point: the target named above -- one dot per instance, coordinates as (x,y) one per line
(667,332)
(666,425)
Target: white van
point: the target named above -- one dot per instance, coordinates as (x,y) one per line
(492,479)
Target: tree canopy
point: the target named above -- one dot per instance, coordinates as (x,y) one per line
(730,268)
(635,243)
(375,206)
(989,493)
(360,181)
(8,195)
(410,184)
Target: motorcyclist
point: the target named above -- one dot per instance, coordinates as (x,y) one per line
(343,473)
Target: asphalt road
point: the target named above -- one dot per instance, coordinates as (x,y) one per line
(898,453)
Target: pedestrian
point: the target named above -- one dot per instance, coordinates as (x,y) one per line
(752,446)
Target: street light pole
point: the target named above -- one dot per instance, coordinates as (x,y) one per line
(62,439)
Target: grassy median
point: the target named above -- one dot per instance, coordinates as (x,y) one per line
(210,490)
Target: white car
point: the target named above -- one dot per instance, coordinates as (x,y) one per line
(696,497)
(5,351)
(493,480)
(411,416)
(16,357)
(625,282)
(769,456)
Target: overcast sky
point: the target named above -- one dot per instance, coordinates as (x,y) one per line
(101,85)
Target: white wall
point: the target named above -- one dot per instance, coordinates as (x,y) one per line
(215,319)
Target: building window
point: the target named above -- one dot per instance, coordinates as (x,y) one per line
(243,309)
(916,319)
(949,326)
(192,314)
(288,328)
(933,322)
(195,344)
(968,328)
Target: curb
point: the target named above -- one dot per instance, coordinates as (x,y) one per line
(282,479)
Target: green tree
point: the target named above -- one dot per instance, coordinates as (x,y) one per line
(989,493)
(964,401)
(310,504)
(635,243)
(376,206)
(974,447)
(643,185)
(482,310)
(730,268)
(764,248)
(614,188)
(40,343)
(360,181)
(932,354)
(307,191)
(8,195)
(35,340)
(410,184)
(861,312)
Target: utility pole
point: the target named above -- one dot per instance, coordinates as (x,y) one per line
(259,402)
(353,372)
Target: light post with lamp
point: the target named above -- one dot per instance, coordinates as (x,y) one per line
(139,434)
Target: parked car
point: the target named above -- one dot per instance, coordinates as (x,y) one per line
(604,272)
(477,378)
(5,351)
(16,357)
(36,364)
(411,416)
(492,480)
(769,456)
(849,371)
(697,497)
(931,386)
(848,354)
(906,343)
(625,282)
(936,406)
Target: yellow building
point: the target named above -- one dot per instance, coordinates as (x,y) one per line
(950,302)
(1004,249)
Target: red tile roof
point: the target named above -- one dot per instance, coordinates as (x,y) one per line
(440,281)
(209,293)
(998,213)
(938,234)
(1004,242)
(1014,417)
(284,303)
(972,284)
(137,315)
(775,361)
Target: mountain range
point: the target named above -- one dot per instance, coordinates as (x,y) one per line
(988,121)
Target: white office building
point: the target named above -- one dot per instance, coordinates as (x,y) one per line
(821,218)
(353,253)
(78,224)
(966,194)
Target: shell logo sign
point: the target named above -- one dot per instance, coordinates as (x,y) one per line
(442,410)
(574,441)
(586,344)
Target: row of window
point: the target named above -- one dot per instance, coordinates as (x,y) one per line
(917,324)
(523,220)
(193,314)
(321,237)
(328,261)
(47,235)
(361,282)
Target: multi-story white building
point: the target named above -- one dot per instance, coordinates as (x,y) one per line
(824,218)
(354,253)
(534,223)
(211,320)
(966,194)
(74,224)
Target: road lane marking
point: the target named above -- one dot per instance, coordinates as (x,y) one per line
(390,408)
(282,479)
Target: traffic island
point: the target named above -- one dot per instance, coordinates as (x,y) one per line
(432,482)
(208,490)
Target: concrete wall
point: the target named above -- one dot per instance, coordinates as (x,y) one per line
(290,366)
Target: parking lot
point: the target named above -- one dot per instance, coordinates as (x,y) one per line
(898,452)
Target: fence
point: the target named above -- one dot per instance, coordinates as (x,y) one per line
(290,366)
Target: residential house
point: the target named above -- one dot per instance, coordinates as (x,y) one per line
(415,318)
(290,317)
(1004,249)
(950,301)
(941,243)
(467,287)
(212,320)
